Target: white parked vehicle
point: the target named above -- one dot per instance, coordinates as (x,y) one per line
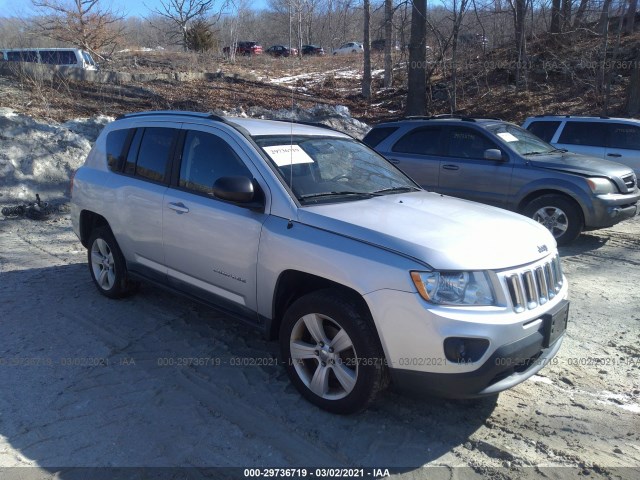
(615,139)
(64,57)
(349,48)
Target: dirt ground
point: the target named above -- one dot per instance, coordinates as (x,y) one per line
(157,381)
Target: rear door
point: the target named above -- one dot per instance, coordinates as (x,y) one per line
(140,193)
(210,245)
(465,173)
(417,153)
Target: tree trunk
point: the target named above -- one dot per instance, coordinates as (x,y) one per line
(566,14)
(631,16)
(388,33)
(417,81)
(633,94)
(577,20)
(519,16)
(366,76)
(603,24)
(555,17)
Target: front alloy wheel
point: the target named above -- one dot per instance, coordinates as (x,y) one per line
(331,351)
(559,214)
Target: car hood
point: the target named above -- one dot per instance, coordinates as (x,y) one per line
(583,165)
(444,232)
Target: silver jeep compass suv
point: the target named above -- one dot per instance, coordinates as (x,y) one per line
(318,241)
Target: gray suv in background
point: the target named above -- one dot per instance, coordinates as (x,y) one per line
(615,139)
(501,164)
(316,240)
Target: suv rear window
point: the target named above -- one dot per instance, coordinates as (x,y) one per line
(377,135)
(544,129)
(583,133)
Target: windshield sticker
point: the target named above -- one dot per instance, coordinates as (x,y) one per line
(507,137)
(284,155)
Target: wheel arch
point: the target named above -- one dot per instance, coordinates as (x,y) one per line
(89,221)
(294,284)
(540,193)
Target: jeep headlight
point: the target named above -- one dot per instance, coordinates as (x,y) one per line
(454,288)
(601,186)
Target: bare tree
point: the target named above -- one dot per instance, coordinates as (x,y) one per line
(631,16)
(366,76)
(83,23)
(388,31)
(633,94)
(417,78)
(181,12)
(459,10)
(555,16)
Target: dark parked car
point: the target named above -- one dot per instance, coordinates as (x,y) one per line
(312,50)
(281,51)
(501,164)
(245,48)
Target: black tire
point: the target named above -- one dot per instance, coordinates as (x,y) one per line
(559,214)
(353,374)
(110,276)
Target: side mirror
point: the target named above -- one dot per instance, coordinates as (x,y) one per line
(493,154)
(234,189)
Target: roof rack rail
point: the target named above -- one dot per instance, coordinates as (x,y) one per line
(604,117)
(441,116)
(207,115)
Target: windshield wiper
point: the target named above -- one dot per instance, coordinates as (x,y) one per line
(536,153)
(560,150)
(396,190)
(334,194)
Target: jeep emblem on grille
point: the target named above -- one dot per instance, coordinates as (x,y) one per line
(542,248)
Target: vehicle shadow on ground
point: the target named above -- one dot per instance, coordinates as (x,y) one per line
(157,381)
(586,242)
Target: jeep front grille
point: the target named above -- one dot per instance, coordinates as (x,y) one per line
(630,181)
(535,286)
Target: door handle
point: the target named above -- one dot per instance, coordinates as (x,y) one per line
(617,155)
(178,207)
(451,167)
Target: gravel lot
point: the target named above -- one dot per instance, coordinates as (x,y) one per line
(88,381)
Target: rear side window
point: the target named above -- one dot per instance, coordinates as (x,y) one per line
(543,129)
(205,158)
(150,152)
(583,133)
(421,141)
(24,56)
(624,136)
(116,141)
(58,57)
(377,135)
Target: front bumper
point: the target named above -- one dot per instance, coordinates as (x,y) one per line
(609,210)
(508,366)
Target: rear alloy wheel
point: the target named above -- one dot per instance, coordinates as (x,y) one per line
(559,215)
(107,265)
(331,352)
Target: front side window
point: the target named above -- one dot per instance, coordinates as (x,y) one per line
(583,133)
(205,159)
(624,136)
(330,169)
(544,129)
(467,143)
(520,140)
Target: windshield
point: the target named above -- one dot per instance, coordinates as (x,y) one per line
(520,140)
(329,169)
(88,58)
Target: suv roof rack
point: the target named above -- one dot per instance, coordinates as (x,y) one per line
(207,115)
(463,118)
(604,117)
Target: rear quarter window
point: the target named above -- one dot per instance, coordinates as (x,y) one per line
(421,141)
(377,135)
(116,142)
(544,129)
